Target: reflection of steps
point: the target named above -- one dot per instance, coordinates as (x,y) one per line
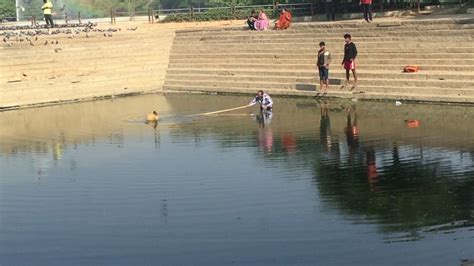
(233,60)
(84,68)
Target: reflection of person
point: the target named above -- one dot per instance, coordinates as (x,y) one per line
(350,54)
(47,12)
(153,117)
(289,142)
(325,127)
(266,139)
(324,59)
(351,130)
(264,118)
(371,167)
(284,21)
(265,101)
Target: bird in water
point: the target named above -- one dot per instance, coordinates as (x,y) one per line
(153,117)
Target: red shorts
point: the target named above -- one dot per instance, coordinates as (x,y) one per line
(349,65)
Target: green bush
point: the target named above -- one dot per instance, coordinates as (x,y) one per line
(213,14)
(7,9)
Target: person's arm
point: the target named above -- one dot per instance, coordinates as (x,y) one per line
(329,59)
(253,102)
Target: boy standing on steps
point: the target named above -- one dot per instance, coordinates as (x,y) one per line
(47,12)
(324,59)
(350,54)
(367,6)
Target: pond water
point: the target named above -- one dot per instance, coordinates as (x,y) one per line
(315,183)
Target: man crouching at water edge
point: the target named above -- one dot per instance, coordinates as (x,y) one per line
(153,117)
(265,101)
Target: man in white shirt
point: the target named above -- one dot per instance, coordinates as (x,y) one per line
(265,101)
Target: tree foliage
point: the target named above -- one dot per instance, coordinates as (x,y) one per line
(7,9)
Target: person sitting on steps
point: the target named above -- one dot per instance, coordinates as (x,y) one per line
(262,21)
(251,20)
(284,21)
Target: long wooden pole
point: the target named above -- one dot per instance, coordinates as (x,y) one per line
(222,111)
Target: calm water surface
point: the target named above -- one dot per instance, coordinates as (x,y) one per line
(316,183)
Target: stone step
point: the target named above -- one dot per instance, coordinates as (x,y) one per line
(313,50)
(297,56)
(406,42)
(96,64)
(453,35)
(396,68)
(81,72)
(46,53)
(333,27)
(292,83)
(68,94)
(335,78)
(102,80)
(333,93)
(410,31)
(425,75)
(336,60)
(431,46)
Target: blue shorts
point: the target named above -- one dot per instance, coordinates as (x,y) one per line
(323,73)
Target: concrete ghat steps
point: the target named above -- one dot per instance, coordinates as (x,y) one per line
(395,68)
(339,73)
(299,56)
(345,27)
(366,85)
(406,33)
(338,79)
(336,61)
(84,68)
(231,60)
(336,93)
(459,37)
(310,44)
(252,50)
(312,50)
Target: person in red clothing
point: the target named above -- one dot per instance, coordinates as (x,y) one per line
(350,54)
(285,20)
(367,7)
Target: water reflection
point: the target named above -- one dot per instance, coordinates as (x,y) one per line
(313,173)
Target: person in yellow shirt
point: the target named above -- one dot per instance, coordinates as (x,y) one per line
(47,11)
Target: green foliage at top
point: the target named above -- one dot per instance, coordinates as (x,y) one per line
(7,9)
(213,14)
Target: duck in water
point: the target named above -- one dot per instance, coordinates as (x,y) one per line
(153,117)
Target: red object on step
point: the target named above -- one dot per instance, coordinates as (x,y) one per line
(411,69)
(413,123)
